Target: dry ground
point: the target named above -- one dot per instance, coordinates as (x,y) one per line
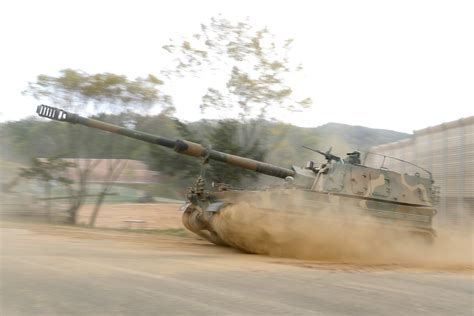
(156,216)
(65,270)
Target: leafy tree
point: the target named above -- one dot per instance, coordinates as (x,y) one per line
(225,137)
(251,63)
(180,168)
(79,91)
(249,71)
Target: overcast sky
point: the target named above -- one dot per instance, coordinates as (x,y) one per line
(400,65)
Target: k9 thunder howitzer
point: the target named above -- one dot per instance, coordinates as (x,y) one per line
(341,186)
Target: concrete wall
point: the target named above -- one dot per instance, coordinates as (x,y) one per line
(447,150)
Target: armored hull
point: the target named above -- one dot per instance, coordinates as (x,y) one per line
(290,206)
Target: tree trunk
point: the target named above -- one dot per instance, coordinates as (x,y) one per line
(47,193)
(115,168)
(72,211)
(80,193)
(97,206)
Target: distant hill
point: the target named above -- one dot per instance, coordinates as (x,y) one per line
(341,137)
(285,141)
(359,137)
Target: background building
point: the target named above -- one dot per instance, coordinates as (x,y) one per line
(133,171)
(447,150)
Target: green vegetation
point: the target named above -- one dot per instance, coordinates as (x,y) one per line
(179,232)
(282,146)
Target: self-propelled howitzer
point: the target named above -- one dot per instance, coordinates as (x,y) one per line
(340,187)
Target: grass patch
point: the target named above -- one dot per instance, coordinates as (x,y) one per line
(180,232)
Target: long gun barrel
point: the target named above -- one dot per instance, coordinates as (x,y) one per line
(181,146)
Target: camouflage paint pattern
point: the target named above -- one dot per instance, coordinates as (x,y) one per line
(377,184)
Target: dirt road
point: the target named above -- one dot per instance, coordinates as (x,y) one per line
(58,270)
(154,216)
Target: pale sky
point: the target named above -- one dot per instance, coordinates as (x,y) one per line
(400,65)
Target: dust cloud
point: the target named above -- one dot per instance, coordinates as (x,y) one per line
(346,239)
